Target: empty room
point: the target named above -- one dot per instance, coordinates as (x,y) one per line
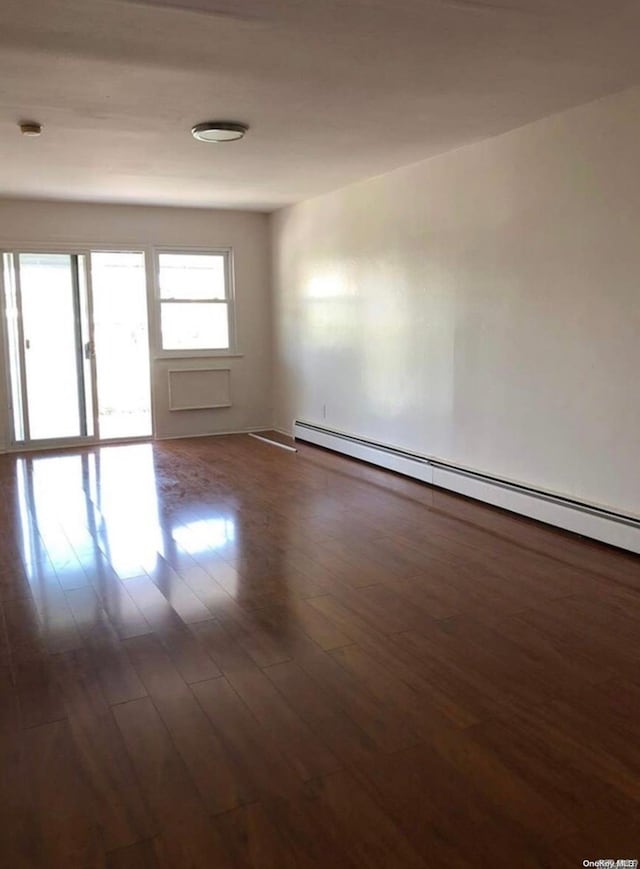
(319,434)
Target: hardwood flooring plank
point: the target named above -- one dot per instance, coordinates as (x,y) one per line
(14,583)
(461,703)
(575,790)
(141,855)
(19,842)
(305,752)
(122,815)
(22,624)
(185,652)
(389,730)
(179,595)
(222,785)
(325,717)
(68,832)
(254,840)
(118,679)
(187,836)
(37,688)
(250,747)
(122,612)
(264,645)
(367,834)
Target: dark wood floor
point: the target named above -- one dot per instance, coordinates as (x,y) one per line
(216,653)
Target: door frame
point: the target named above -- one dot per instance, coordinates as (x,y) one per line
(84,250)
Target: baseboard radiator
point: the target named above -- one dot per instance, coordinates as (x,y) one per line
(598,523)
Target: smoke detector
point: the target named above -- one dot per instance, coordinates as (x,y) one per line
(30,128)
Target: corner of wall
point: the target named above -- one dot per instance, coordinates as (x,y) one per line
(278,416)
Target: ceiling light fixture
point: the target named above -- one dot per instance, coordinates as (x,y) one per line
(30,128)
(218,131)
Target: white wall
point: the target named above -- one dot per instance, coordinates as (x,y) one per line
(28,224)
(482,307)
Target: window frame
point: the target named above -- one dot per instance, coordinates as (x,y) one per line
(193,353)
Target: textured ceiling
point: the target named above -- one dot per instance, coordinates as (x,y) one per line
(334,90)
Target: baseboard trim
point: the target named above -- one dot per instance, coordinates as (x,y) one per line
(114,442)
(211,434)
(590,520)
(383,456)
(271,442)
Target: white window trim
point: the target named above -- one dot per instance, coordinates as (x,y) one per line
(159,352)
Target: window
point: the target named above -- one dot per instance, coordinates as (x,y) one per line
(195,301)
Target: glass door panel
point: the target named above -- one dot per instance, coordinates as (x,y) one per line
(52,340)
(120,323)
(14,348)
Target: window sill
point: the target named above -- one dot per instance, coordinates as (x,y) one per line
(198,354)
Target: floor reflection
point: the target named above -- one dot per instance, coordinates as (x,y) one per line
(100,519)
(77,508)
(142,534)
(126,508)
(202,534)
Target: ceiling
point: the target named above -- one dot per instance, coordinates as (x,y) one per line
(334,90)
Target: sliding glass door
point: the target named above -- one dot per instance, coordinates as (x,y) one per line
(78,359)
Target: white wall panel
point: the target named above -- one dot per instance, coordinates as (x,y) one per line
(482,307)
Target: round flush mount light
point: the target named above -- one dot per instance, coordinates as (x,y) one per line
(218,131)
(30,128)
